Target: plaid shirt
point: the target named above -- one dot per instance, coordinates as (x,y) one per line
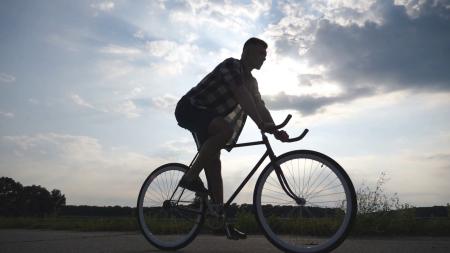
(214,93)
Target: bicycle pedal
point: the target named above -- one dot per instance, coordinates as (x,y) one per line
(233,234)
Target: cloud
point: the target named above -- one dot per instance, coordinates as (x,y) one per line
(368,49)
(173,57)
(401,53)
(220,14)
(308,105)
(120,50)
(176,150)
(162,48)
(127,108)
(6,78)
(166,102)
(112,70)
(86,171)
(34,101)
(103,6)
(309,79)
(439,157)
(7,114)
(80,101)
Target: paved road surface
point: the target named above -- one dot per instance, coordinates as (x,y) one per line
(39,241)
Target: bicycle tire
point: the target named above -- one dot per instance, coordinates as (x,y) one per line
(308,224)
(166,224)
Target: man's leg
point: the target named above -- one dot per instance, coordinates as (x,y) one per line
(209,158)
(214,177)
(219,132)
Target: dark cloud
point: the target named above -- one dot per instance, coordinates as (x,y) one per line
(308,105)
(403,52)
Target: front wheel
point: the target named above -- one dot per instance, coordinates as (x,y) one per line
(318,215)
(169,216)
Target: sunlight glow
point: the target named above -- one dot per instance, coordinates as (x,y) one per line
(294,77)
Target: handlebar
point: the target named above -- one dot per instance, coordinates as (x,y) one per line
(299,137)
(284,124)
(265,138)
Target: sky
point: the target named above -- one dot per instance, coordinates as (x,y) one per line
(88,89)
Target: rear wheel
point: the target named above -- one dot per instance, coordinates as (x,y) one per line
(319,215)
(169,216)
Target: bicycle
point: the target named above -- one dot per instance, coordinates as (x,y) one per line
(303,201)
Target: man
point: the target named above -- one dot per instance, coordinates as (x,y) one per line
(215,111)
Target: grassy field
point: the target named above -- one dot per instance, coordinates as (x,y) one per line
(71,223)
(397,224)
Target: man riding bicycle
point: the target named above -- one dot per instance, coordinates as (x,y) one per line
(215,111)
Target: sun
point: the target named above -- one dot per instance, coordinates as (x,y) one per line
(296,78)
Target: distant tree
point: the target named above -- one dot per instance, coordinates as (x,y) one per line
(58,200)
(10,192)
(35,200)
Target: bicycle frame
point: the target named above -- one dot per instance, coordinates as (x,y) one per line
(269,153)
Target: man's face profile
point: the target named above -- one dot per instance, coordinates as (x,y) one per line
(257,55)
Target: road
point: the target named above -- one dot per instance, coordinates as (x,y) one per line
(40,241)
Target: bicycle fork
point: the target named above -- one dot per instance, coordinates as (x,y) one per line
(280,175)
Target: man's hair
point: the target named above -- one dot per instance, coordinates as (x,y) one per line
(254,42)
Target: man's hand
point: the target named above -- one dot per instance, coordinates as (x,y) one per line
(281,135)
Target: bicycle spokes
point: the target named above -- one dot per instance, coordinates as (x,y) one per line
(306,204)
(285,186)
(169,216)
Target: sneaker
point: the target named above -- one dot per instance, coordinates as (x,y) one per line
(233,234)
(196,185)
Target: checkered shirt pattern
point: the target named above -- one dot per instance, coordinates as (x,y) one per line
(236,118)
(214,94)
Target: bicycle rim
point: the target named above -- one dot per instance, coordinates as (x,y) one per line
(320,218)
(169,222)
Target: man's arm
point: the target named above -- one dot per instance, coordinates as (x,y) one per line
(247,102)
(257,111)
(231,71)
(260,105)
(268,123)
(264,112)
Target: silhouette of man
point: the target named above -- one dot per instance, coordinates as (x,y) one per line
(215,111)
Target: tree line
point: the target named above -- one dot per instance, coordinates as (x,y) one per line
(18,200)
(34,200)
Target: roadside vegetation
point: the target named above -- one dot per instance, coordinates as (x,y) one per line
(379,213)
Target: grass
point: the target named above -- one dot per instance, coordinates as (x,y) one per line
(395,224)
(71,223)
(399,223)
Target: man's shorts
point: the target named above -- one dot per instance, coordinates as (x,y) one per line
(194,119)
